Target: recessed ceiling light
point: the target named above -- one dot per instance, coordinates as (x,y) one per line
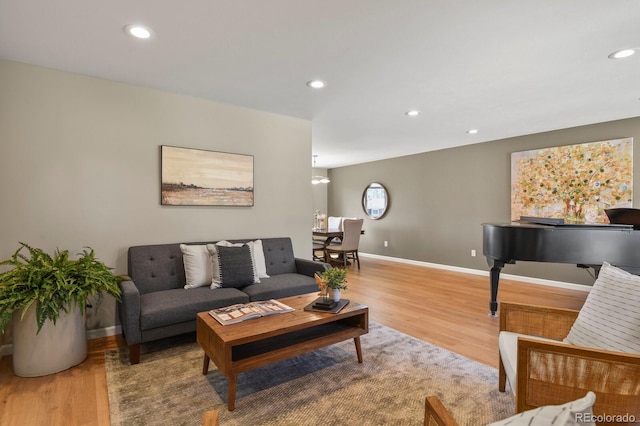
(472,131)
(620,54)
(412,113)
(138,31)
(316,84)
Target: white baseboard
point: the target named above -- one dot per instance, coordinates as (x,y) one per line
(91,334)
(530,280)
(104,332)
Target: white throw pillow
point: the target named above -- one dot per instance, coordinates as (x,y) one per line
(610,317)
(574,413)
(216,279)
(197,265)
(258,258)
(228,244)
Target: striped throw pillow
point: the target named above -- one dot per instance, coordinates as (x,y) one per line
(610,317)
(574,413)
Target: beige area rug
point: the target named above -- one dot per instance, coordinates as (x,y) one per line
(324,387)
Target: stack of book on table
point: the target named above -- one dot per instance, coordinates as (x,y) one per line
(323,304)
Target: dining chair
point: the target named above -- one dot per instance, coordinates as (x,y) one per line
(334,223)
(318,246)
(349,244)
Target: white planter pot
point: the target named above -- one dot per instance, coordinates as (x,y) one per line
(336,295)
(56,348)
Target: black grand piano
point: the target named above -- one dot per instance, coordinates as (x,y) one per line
(582,245)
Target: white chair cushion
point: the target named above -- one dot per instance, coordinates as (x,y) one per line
(508,344)
(610,317)
(573,413)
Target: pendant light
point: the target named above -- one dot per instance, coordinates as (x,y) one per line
(318,179)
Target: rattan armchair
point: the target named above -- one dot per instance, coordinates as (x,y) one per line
(556,372)
(435,414)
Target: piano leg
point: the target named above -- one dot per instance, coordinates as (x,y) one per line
(495,279)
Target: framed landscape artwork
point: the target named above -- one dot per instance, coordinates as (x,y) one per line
(194,177)
(573,182)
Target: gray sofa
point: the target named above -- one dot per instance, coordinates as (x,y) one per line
(156,305)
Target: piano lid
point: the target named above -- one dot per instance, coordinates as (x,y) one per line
(552,221)
(624,216)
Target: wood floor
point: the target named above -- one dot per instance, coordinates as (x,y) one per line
(448,309)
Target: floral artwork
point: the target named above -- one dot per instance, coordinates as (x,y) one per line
(573,182)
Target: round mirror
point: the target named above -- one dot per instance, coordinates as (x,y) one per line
(375,200)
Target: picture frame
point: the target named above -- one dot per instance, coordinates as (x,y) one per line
(576,183)
(196,177)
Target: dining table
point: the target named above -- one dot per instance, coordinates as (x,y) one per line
(330,234)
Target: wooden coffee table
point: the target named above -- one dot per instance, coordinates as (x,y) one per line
(257,342)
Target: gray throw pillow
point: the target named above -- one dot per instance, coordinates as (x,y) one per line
(235,266)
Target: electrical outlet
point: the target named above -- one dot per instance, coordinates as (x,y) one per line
(386,243)
(473,253)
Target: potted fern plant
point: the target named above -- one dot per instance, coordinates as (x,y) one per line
(336,279)
(46,297)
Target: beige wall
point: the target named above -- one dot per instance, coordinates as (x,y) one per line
(440,199)
(80,166)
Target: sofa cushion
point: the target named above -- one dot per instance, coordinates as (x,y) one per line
(197,265)
(281,285)
(610,317)
(232,266)
(161,267)
(162,308)
(156,267)
(278,254)
(572,413)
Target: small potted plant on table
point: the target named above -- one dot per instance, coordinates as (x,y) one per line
(335,279)
(46,297)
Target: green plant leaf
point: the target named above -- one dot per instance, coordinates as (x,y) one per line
(53,283)
(336,278)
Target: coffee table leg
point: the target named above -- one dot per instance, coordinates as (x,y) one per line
(205,364)
(232,392)
(358,348)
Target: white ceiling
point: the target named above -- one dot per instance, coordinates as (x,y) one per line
(506,67)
